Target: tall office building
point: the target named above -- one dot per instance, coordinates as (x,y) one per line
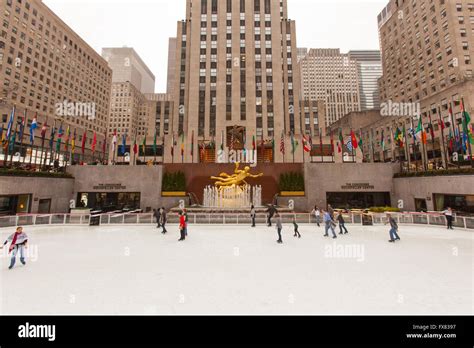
(427,51)
(369,64)
(237,75)
(171,78)
(127,66)
(301,53)
(47,70)
(130,110)
(332,77)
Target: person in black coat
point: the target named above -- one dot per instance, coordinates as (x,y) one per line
(342,224)
(157,215)
(271,211)
(253,215)
(163,220)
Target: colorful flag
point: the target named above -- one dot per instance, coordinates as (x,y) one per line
(354,140)
(332,144)
(10,124)
(135,145)
(84,139)
(34,125)
(68,134)
(382,140)
(51,138)
(306,147)
(349,145)
(73,142)
(94,142)
(466,120)
(254,143)
(182,144)
(419,129)
(192,144)
(144,146)
(22,126)
(398,138)
(124,144)
(282,143)
(44,130)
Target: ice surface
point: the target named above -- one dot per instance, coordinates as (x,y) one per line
(239,270)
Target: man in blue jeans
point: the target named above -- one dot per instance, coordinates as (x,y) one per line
(393,230)
(329,224)
(19,241)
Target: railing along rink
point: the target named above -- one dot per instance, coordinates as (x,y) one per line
(428,219)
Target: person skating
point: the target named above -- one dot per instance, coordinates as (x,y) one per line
(342,224)
(448,213)
(329,224)
(19,242)
(317,214)
(297,234)
(270,213)
(182,227)
(186,220)
(164,219)
(393,229)
(253,215)
(331,211)
(157,215)
(279,227)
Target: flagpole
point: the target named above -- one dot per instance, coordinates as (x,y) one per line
(441,125)
(407,145)
(432,137)
(14,141)
(424,157)
(8,136)
(465,122)
(22,135)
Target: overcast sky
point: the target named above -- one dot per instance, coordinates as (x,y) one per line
(146,25)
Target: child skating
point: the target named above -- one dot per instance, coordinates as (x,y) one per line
(19,241)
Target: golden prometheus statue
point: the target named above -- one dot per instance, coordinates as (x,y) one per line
(225,180)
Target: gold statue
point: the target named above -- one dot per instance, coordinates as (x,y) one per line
(237,179)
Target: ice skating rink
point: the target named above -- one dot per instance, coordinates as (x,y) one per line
(239,270)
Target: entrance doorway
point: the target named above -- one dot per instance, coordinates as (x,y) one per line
(44,206)
(420,205)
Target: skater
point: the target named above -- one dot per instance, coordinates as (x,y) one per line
(317,214)
(186,224)
(19,241)
(297,234)
(331,211)
(342,223)
(329,224)
(279,227)
(271,212)
(253,215)
(448,213)
(163,220)
(157,215)
(393,230)
(182,226)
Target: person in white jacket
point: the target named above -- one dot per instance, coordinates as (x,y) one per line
(19,241)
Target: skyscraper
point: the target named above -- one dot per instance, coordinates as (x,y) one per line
(369,64)
(237,75)
(171,77)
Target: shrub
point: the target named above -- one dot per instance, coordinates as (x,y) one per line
(174,182)
(292,181)
(384,210)
(451,172)
(32,174)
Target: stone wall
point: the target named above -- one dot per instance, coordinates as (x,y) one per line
(60,191)
(143,179)
(409,189)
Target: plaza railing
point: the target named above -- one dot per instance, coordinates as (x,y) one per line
(420,219)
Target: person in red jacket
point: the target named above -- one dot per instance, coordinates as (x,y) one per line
(182,226)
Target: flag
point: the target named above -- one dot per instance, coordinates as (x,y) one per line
(382,140)
(84,139)
(182,144)
(22,126)
(51,138)
(424,137)
(144,146)
(339,147)
(44,130)
(58,143)
(349,145)
(398,138)
(341,137)
(12,142)
(10,124)
(282,143)
(34,125)
(94,142)
(192,144)
(60,131)
(73,142)
(124,144)
(354,140)
(441,123)
(361,142)
(306,147)
(466,120)
(419,129)
(413,134)
(222,141)
(114,142)
(155,148)
(254,143)
(68,134)
(332,144)
(2,135)
(135,145)
(451,140)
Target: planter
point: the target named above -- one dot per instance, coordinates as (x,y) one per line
(173,194)
(292,193)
